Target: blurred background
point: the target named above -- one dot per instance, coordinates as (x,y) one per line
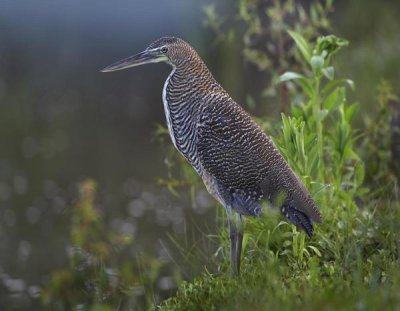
(61,122)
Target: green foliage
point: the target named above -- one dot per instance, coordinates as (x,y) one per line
(356,271)
(318,140)
(262,28)
(380,140)
(352,262)
(97,279)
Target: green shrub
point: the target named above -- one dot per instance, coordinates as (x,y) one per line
(98,278)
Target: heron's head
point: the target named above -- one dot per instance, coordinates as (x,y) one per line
(167,49)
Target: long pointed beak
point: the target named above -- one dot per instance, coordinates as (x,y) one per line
(144,57)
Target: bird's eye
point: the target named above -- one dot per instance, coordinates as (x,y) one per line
(164,49)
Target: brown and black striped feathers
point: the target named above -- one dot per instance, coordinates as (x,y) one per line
(248,167)
(237,161)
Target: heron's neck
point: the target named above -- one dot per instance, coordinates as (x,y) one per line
(189,89)
(193,76)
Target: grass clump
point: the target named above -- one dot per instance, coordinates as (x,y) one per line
(357,271)
(352,262)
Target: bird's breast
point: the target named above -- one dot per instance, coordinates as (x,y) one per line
(181,112)
(167,108)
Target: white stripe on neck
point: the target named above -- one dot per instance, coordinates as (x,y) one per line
(166,108)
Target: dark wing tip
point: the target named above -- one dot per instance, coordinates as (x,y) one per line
(302,198)
(298,218)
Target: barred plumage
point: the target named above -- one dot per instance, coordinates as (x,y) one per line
(237,161)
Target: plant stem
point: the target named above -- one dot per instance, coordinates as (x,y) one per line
(318,124)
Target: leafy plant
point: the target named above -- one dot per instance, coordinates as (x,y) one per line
(97,278)
(318,140)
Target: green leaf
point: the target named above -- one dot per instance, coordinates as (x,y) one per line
(289,75)
(313,160)
(245,241)
(329,72)
(335,83)
(301,80)
(306,86)
(333,101)
(322,114)
(302,44)
(330,44)
(359,173)
(316,250)
(349,153)
(350,111)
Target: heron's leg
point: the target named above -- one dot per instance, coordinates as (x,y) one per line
(233,239)
(239,240)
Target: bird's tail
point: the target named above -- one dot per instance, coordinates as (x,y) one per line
(299,207)
(298,218)
(287,191)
